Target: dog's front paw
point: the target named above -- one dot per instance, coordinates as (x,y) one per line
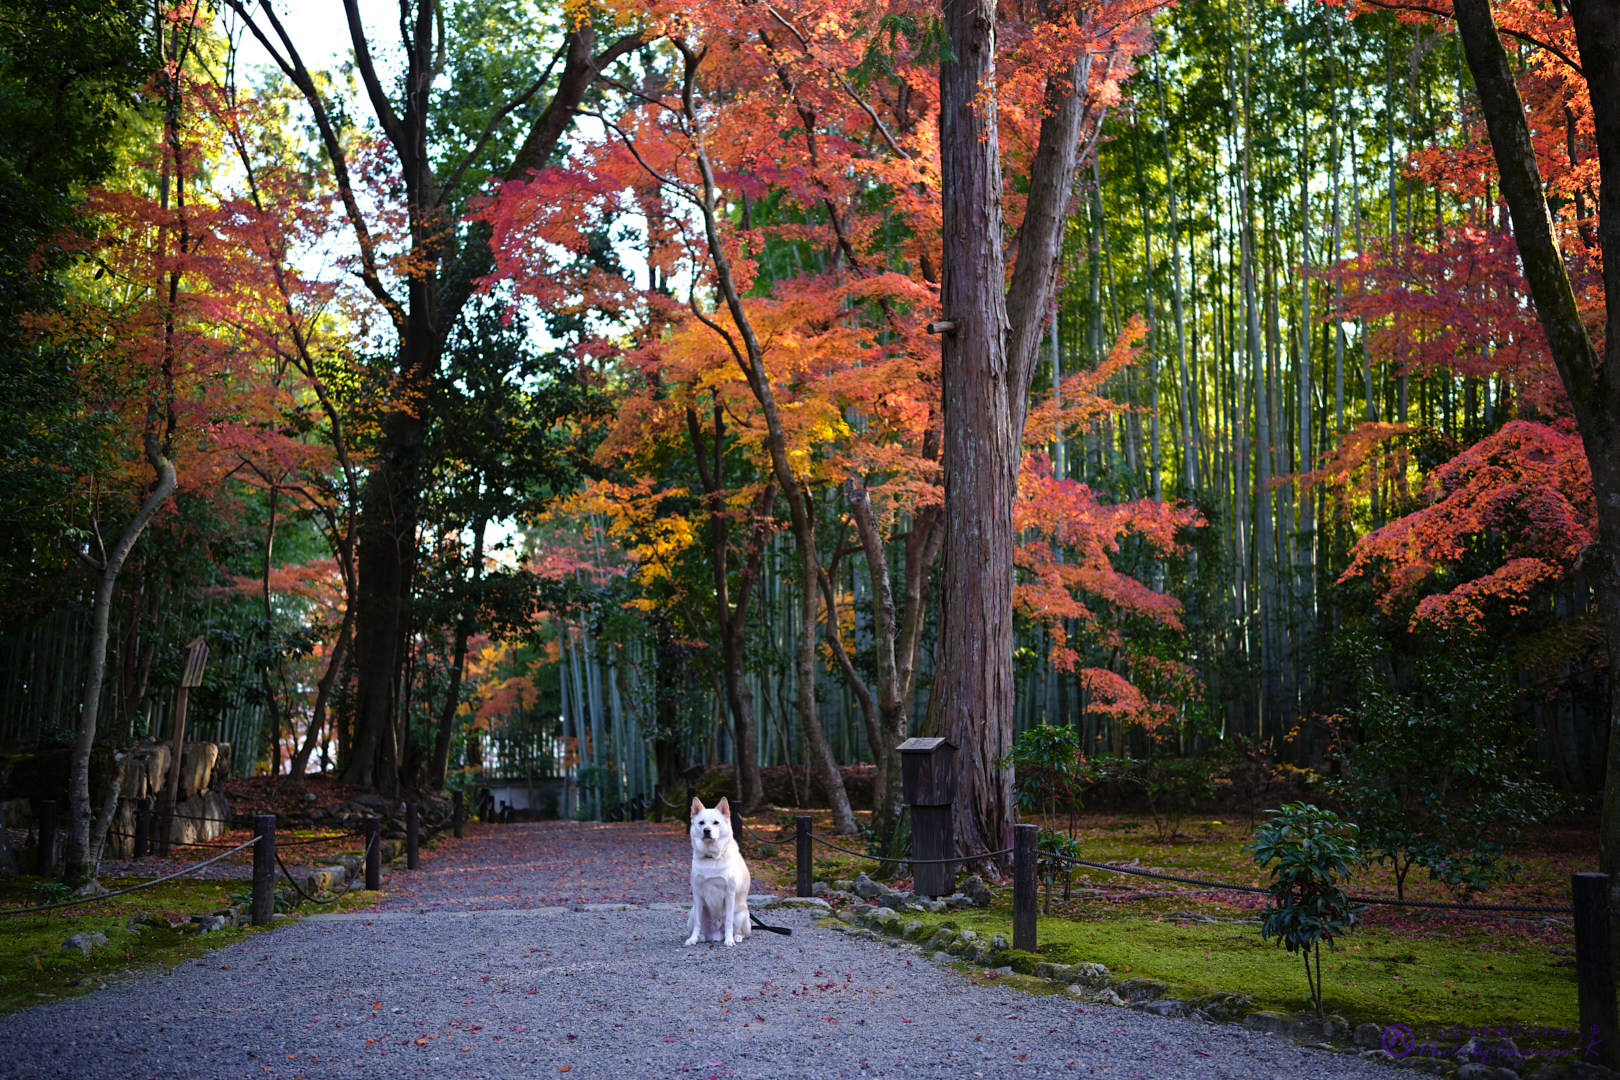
(693,940)
(730,940)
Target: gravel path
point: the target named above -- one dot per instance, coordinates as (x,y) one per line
(553,991)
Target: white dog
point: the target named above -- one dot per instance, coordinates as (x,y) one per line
(720,878)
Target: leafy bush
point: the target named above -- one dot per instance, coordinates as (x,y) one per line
(1173,786)
(1315,850)
(1049,771)
(1050,843)
(1436,778)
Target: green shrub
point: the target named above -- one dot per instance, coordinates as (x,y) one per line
(1314,851)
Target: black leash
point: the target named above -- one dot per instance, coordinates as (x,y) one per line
(783,930)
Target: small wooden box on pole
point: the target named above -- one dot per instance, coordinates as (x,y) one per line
(1594,968)
(191,673)
(264,869)
(928,782)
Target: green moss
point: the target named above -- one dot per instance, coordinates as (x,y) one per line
(1021,961)
(34,967)
(1465,977)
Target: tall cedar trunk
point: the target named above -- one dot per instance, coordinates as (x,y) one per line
(84,836)
(1592,382)
(974,675)
(987,364)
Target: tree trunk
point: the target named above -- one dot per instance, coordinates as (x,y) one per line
(84,838)
(987,363)
(1592,382)
(439,767)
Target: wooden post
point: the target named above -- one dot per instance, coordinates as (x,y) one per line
(801,847)
(1594,970)
(264,869)
(1024,838)
(191,673)
(658,804)
(413,836)
(373,855)
(458,816)
(691,793)
(45,850)
(928,784)
(143,828)
(737,826)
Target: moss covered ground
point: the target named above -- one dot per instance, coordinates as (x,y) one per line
(35,968)
(1424,969)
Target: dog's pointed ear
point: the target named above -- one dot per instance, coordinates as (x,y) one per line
(724,808)
(697,806)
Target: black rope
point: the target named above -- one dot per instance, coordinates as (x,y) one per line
(346,889)
(907,862)
(1229,886)
(219,847)
(132,888)
(758,839)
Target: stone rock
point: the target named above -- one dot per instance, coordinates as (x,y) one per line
(157,768)
(199,818)
(820,888)
(223,759)
(977,892)
(1476,1071)
(84,942)
(933,907)
(957,901)
(843,885)
(1223,1008)
(1089,974)
(1055,972)
(1369,1036)
(1106,996)
(1141,990)
(897,901)
(207,924)
(940,941)
(1274,1022)
(914,931)
(1575,1070)
(963,944)
(867,889)
(761,902)
(1377,1055)
(1166,1007)
(326,877)
(814,902)
(196,767)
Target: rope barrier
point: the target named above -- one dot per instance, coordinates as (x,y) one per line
(1229,886)
(758,839)
(219,847)
(911,862)
(132,888)
(346,889)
